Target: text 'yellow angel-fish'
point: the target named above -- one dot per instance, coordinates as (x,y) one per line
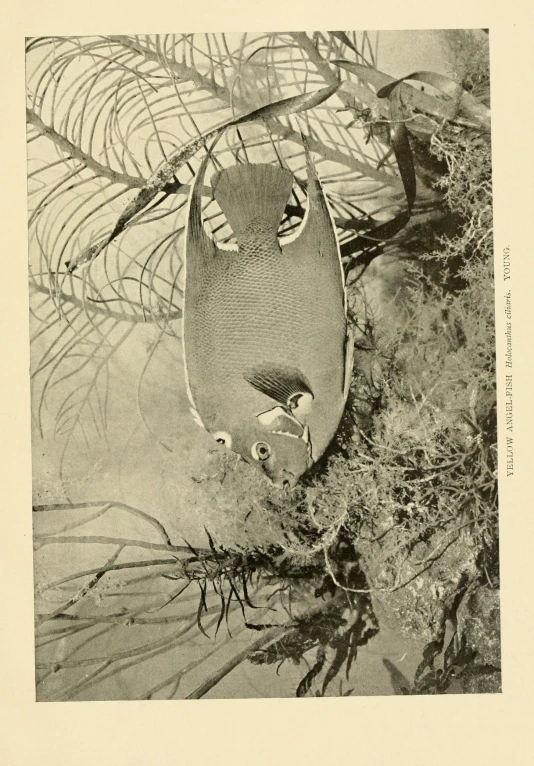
(267,357)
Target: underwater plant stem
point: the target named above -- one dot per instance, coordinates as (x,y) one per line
(133,182)
(97,308)
(271,635)
(184,72)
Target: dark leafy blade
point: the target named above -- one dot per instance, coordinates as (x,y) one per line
(202,607)
(287,106)
(351,66)
(344,39)
(399,682)
(260,626)
(380,233)
(438,81)
(221,613)
(400,144)
(164,179)
(211,543)
(246,597)
(193,551)
(430,652)
(175,596)
(305,685)
(337,663)
(462,101)
(459,103)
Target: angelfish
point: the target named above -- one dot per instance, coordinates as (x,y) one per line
(267,355)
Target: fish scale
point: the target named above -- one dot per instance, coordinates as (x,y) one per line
(236,321)
(260,305)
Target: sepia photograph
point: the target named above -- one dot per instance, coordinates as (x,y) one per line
(263,365)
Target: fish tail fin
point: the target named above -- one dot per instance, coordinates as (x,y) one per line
(252,194)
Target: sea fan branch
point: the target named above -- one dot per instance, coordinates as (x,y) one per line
(133,182)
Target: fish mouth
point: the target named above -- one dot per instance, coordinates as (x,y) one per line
(286,480)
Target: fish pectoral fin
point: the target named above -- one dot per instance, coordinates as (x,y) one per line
(301,404)
(349,361)
(271,416)
(282,383)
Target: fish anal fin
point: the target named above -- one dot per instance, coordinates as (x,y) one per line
(198,245)
(279,382)
(317,230)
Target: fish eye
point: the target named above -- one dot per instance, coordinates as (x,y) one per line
(222,437)
(260,451)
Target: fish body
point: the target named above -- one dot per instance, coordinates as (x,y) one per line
(265,332)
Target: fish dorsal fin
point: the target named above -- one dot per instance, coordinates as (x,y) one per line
(282,383)
(252,197)
(198,245)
